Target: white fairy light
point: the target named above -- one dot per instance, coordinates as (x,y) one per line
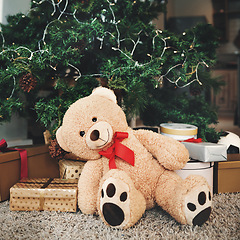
(135,45)
(14,84)
(45,32)
(117,38)
(63,11)
(79,73)
(54,7)
(115,24)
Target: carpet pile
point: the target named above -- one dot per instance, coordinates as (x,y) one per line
(224,223)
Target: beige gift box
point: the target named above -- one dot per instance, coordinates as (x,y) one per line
(70,169)
(52,194)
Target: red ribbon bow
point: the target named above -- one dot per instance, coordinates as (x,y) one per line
(23,155)
(193,140)
(119,150)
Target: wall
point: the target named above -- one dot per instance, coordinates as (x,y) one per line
(189,8)
(15,131)
(11,7)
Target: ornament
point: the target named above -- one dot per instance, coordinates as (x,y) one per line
(56,151)
(195,89)
(80,45)
(27,82)
(86,5)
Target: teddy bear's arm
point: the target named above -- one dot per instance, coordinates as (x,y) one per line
(169,152)
(88,186)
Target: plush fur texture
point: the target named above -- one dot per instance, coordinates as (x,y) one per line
(120,196)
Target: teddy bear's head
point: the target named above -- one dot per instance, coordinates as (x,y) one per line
(90,123)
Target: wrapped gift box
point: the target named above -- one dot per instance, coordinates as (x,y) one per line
(204,169)
(227,175)
(44,194)
(70,169)
(40,165)
(179,131)
(207,152)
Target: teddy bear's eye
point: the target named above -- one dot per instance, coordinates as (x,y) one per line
(82,133)
(94,119)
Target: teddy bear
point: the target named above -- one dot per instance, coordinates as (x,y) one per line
(128,171)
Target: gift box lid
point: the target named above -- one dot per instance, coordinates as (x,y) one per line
(207,152)
(178,129)
(55,186)
(31,151)
(46,183)
(52,194)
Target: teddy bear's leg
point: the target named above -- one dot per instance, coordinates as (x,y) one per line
(120,205)
(188,201)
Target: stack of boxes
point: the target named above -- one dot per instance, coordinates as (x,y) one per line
(203,155)
(52,194)
(51,185)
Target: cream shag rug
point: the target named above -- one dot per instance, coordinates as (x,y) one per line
(224,223)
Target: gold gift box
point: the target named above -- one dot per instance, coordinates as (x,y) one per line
(40,165)
(70,169)
(51,194)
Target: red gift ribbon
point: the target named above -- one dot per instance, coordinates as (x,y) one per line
(119,150)
(23,155)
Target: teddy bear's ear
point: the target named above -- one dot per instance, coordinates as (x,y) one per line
(60,140)
(105,92)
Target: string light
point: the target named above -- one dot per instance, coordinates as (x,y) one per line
(14,84)
(135,64)
(79,73)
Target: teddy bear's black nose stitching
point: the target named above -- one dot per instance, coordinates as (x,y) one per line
(94,136)
(102,193)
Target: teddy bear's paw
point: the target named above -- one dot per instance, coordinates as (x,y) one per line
(198,206)
(115,202)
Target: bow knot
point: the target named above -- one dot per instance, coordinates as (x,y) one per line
(119,150)
(23,155)
(3,146)
(193,140)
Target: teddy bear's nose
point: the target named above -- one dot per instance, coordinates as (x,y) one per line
(94,136)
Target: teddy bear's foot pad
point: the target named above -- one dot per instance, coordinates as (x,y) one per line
(115,202)
(120,205)
(198,206)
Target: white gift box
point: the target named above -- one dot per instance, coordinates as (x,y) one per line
(179,131)
(207,152)
(204,169)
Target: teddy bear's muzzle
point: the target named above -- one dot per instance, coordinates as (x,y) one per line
(99,135)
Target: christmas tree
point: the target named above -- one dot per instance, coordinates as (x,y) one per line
(70,47)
